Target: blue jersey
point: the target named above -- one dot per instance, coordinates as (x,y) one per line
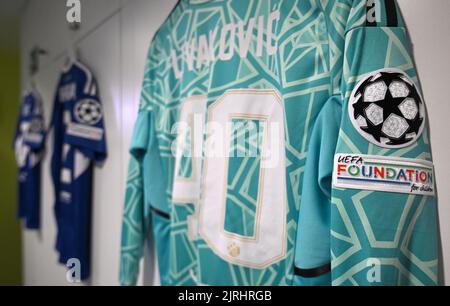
(28,145)
(79,139)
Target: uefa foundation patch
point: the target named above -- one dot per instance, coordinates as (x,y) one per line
(379,173)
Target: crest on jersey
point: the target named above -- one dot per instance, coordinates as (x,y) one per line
(387,109)
(88,112)
(36,126)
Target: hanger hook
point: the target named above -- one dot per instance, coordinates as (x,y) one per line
(35,55)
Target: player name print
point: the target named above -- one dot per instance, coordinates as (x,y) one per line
(379,173)
(201,50)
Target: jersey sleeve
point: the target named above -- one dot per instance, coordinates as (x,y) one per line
(86,129)
(155,182)
(135,217)
(133,226)
(35,137)
(371,215)
(146,211)
(30,123)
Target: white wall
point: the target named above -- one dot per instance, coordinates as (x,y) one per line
(113,42)
(428,23)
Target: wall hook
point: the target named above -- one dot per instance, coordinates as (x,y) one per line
(35,54)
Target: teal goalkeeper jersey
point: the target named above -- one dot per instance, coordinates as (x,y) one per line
(282,142)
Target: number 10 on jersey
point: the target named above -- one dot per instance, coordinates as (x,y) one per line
(260,238)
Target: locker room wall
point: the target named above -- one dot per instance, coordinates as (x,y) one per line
(113,41)
(429,28)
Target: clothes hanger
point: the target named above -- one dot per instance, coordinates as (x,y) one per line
(71,56)
(71,51)
(35,55)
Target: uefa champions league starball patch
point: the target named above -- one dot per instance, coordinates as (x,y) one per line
(387,109)
(88,112)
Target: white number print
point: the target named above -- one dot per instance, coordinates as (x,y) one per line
(268,244)
(186,188)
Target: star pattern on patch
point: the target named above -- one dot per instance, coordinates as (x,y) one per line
(386,109)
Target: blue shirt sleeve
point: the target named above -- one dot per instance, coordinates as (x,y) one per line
(87,128)
(35,137)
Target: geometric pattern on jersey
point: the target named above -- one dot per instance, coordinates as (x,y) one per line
(315,63)
(79,140)
(132,227)
(145,206)
(398,230)
(300,74)
(387,109)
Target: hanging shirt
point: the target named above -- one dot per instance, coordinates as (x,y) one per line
(29,144)
(79,140)
(294,147)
